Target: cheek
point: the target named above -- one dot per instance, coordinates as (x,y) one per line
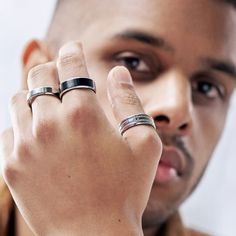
(207,130)
(209,125)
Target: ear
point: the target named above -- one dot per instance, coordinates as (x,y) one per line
(35,52)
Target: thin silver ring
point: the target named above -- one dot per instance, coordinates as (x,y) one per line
(134,120)
(32,94)
(77,83)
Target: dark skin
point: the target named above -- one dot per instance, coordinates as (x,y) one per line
(180,77)
(183,68)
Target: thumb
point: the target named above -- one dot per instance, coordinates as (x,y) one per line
(125,103)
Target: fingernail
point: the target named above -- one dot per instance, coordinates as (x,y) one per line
(121,74)
(70,47)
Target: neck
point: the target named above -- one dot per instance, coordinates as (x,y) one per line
(22,228)
(151,232)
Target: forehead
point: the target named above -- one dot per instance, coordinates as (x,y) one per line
(174,19)
(211,23)
(198,17)
(155,12)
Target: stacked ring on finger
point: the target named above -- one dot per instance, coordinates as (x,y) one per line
(77,83)
(134,120)
(32,94)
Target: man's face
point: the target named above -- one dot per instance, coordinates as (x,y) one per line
(180,55)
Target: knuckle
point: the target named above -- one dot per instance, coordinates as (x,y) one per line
(22,150)
(149,138)
(80,114)
(14,101)
(40,71)
(129,97)
(10,173)
(77,113)
(45,129)
(71,58)
(36,71)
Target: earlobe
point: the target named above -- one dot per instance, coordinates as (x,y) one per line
(35,52)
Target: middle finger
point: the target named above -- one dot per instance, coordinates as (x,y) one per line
(71,64)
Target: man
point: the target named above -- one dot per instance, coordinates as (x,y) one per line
(181,57)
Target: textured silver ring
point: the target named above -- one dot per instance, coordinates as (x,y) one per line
(77,83)
(32,94)
(134,120)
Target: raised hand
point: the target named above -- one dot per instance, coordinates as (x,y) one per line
(69,170)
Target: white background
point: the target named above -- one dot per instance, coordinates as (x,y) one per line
(212,207)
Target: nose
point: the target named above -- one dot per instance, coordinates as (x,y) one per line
(169,103)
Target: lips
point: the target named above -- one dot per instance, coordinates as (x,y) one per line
(171,165)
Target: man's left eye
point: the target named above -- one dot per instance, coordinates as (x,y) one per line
(132,62)
(207,89)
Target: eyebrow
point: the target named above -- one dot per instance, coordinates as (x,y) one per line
(221,66)
(146,38)
(158,41)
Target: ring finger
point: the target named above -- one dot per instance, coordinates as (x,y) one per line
(43,106)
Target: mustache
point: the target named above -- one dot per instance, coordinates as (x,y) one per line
(177,142)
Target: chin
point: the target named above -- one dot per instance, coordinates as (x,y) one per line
(161,205)
(154,216)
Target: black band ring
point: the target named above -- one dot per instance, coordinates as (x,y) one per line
(77,83)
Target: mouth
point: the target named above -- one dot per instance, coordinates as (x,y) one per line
(171,166)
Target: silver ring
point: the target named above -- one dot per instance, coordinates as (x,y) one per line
(134,120)
(32,94)
(77,83)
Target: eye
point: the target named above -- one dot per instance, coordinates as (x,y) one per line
(132,61)
(208,89)
(143,67)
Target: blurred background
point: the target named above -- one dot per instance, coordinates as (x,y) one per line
(211,208)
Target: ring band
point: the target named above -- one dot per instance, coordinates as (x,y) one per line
(77,83)
(134,120)
(32,94)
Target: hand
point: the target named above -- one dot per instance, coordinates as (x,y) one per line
(69,171)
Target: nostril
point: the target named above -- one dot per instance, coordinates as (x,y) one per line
(183,127)
(162,118)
